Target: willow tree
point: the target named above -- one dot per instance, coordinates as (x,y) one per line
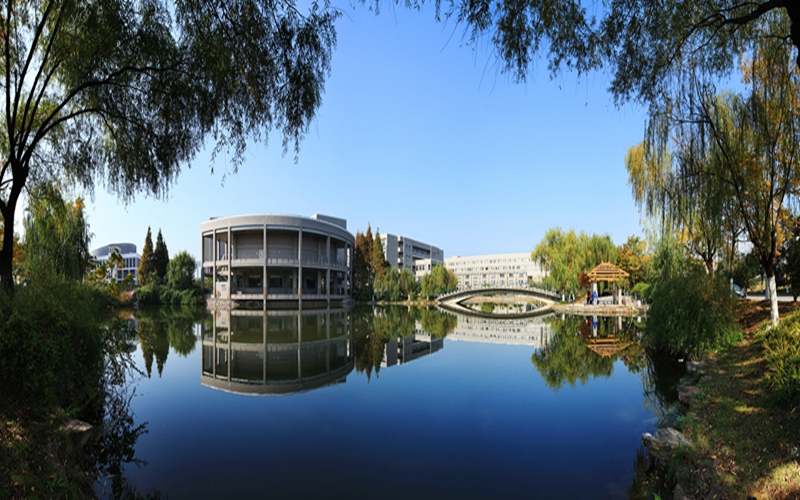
(752,142)
(126,93)
(56,235)
(564,255)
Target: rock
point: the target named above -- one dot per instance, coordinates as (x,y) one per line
(664,442)
(686,393)
(694,366)
(679,494)
(78,431)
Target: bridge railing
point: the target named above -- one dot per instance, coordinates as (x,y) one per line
(478,291)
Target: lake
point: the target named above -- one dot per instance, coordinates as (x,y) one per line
(382,402)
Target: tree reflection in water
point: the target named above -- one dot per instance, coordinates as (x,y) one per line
(373,328)
(116,445)
(583,348)
(160,328)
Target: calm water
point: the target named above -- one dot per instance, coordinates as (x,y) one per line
(389,403)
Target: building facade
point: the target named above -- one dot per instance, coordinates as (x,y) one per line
(129,256)
(403,252)
(277,258)
(495,270)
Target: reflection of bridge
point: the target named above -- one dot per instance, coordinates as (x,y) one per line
(454,301)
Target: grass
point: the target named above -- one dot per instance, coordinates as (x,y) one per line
(36,459)
(745,445)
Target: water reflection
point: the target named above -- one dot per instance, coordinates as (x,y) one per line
(484,411)
(276,352)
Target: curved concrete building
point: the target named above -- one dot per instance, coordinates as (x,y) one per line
(278,259)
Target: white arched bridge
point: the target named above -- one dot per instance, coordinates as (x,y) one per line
(454,300)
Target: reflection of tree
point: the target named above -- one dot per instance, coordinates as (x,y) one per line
(567,358)
(660,382)
(163,327)
(116,445)
(437,323)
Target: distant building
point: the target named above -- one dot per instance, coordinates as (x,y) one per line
(494,270)
(129,256)
(403,252)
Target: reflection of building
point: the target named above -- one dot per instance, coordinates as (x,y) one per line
(404,253)
(524,331)
(276,352)
(279,258)
(129,256)
(403,350)
(507,269)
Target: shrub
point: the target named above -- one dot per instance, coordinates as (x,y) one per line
(692,314)
(782,355)
(51,341)
(642,290)
(164,295)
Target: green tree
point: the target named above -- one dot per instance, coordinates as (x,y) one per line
(147,271)
(180,272)
(378,260)
(755,143)
(566,255)
(440,280)
(632,257)
(56,234)
(127,92)
(362,262)
(160,259)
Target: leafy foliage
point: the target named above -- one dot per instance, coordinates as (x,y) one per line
(60,356)
(180,272)
(378,261)
(147,267)
(782,354)
(162,294)
(56,234)
(565,255)
(160,259)
(692,314)
(126,93)
(440,280)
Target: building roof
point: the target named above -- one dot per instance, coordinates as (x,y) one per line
(606,272)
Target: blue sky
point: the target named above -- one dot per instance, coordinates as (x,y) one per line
(420,135)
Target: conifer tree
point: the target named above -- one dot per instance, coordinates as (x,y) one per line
(379,264)
(146,266)
(160,259)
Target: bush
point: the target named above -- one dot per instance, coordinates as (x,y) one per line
(51,341)
(782,354)
(692,314)
(164,295)
(642,290)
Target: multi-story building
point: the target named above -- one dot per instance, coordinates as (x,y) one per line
(404,253)
(278,258)
(495,270)
(129,256)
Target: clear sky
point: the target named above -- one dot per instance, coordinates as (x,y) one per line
(420,135)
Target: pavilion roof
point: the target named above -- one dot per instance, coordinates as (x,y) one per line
(606,272)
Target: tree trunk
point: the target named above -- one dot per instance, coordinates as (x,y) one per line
(7,253)
(773,300)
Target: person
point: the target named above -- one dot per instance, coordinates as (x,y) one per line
(594,297)
(588,297)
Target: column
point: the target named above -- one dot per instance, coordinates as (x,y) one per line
(300,266)
(328,271)
(264,279)
(228,249)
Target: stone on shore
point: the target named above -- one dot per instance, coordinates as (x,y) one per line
(686,393)
(79,432)
(664,442)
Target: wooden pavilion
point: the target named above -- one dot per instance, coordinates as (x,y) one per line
(608,273)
